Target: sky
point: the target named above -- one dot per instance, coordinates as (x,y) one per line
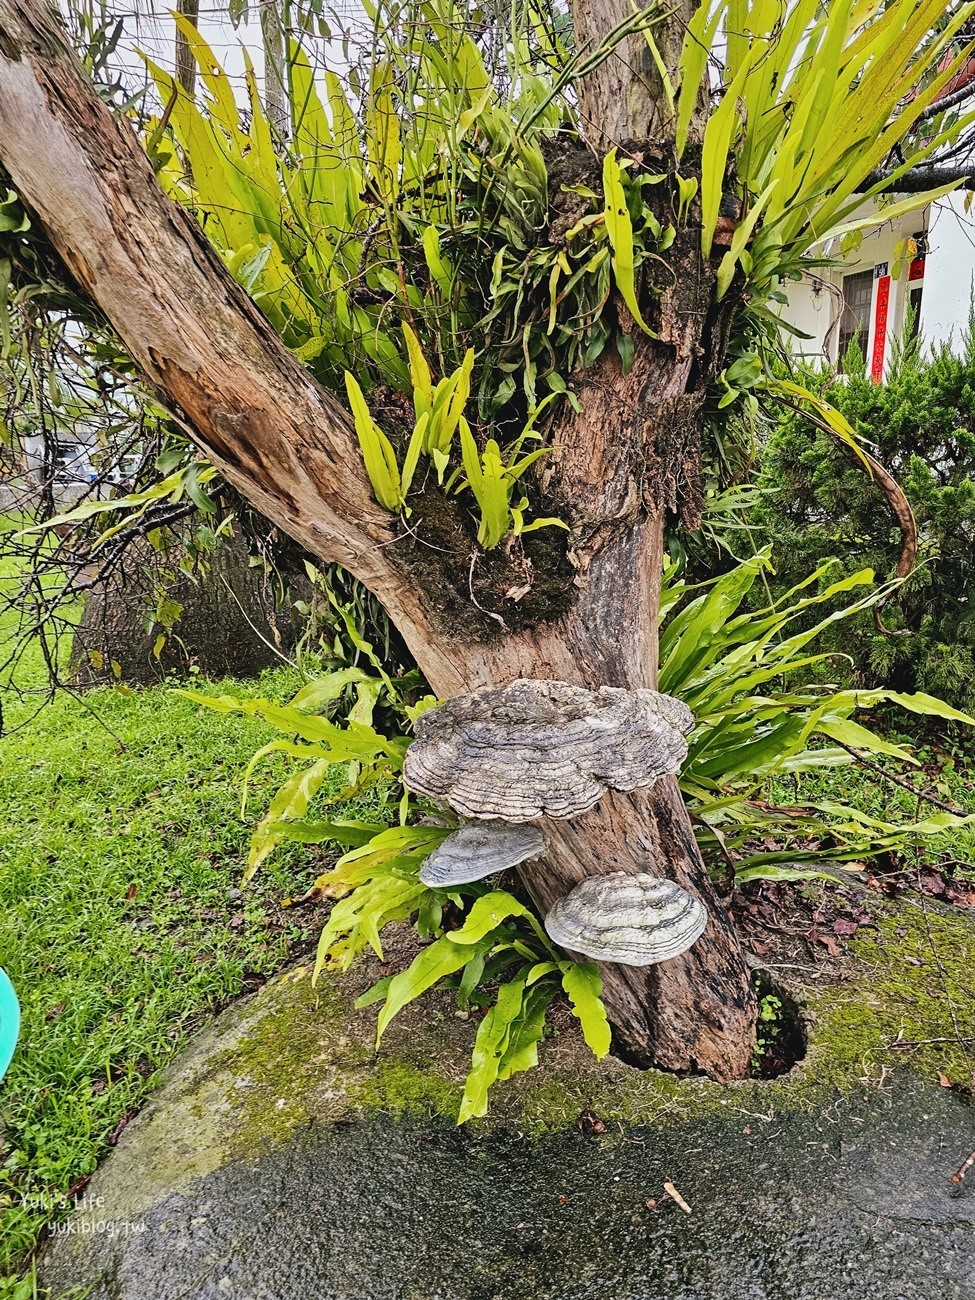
(149,28)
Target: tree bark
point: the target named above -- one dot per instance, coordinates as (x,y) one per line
(185,62)
(623,98)
(289,448)
(275,63)
(229,618)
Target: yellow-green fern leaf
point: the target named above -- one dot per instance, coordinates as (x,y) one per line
(619,228)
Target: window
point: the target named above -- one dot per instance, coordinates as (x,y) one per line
(855,321)
(914,303)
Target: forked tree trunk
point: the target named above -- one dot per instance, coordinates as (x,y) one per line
(589,616)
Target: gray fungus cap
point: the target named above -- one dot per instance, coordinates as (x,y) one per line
(634,920)
(480,849)
(540,748)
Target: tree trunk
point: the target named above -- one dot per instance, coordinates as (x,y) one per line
(618,468)
(588,616)
(228,618)
(185,62)
(623,98)
(275,87)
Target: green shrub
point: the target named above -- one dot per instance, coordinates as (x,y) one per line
(820,503)
(751,674)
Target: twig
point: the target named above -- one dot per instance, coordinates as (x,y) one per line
(958,1177)
(76,694)
(892,490)
(255,629)
(675,1195)
(790,965)
(949,100)
(926,1042)
(899,780)
(470,587)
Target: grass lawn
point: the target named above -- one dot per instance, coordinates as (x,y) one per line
(120,922)
(945,771)
(121,925)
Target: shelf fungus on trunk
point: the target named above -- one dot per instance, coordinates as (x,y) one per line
(540,748)
(634,920)
(479,849)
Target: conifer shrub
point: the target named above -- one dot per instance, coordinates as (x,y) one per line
(819,502)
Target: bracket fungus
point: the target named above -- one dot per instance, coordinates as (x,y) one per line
(540,748)
(480,849)
(633,920)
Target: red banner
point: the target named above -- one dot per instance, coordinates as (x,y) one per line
(880,328)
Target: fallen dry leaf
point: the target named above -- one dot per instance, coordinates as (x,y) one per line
(675,1195)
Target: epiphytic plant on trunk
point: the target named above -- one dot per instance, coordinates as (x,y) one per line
(548,225)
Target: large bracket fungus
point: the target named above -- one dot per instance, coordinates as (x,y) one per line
(480,849)
(634,920)
(539,748)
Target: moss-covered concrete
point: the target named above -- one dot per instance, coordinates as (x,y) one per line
(295,1055)
(905,998)
(284,1097)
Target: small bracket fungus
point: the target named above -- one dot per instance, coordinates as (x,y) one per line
(481,849)
(537,748)
(632,920)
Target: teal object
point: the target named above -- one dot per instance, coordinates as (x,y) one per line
(9,1022)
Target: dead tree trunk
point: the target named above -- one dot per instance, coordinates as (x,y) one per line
(226,620)
(587,615)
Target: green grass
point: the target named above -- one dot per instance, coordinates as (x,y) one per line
(118,854)
(121,851)
(29,675)
(945,771)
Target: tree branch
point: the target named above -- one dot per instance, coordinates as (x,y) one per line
(197,338)
(948,101)
(920,179)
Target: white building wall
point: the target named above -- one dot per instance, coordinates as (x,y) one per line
(948,279)
(816,303)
